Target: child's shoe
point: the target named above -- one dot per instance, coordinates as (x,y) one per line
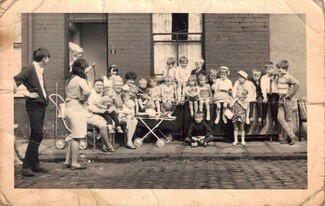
(110,129)
(224,118)
(119,129)
(251,119)
(243,143)
(194,144)
(217,120)
(235,143)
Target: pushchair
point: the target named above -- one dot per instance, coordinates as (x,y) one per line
(61,142)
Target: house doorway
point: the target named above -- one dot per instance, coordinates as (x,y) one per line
(92,37)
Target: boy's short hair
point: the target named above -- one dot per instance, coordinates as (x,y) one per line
(143,80)
(284,64)
(98,78)
(199,60)
(256,71)
(199,114)
(40,53)
(213,70)
(201,76)
(183,59)
(192,77)
(170,60)
(130,75)
(268,64)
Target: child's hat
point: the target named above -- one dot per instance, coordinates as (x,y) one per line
(75,47)
(224,68)
(243,74)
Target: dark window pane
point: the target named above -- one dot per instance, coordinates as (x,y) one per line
(180,25)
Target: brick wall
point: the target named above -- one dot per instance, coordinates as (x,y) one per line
(239,41)
(130,36)
(49,31)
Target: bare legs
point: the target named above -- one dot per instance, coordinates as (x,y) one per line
(205,102)
(242,133)
(72,153)
(191,103)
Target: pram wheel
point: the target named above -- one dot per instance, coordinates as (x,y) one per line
(169,138)
(138,142)
(60,143)
(160,143)
(83,144)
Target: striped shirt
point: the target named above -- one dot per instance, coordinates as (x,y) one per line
(287,84)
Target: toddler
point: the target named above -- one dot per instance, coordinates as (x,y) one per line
(243,84)
(239,109)
(78,52)
(192,94)
(142,96)
(198,131)
(205,95)
(128,107)
(167,95)
(107,102)
(222,90)
(154,93)
(183,73)
(256,80)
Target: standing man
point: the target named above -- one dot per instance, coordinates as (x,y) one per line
(36,101)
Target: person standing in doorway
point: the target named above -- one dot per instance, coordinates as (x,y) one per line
(32,78)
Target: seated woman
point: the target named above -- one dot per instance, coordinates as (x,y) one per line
(131,123)
(94,114)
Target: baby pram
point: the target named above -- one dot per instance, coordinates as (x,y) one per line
(61,142)
(152,123)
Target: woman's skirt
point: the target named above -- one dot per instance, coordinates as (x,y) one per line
(76,118)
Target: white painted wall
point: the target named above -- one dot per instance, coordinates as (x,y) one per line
(288,41)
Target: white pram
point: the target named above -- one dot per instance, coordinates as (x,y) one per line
(61,142)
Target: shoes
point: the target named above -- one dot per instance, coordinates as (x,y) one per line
(217,120)
(234,143)
(224,118)
(109,149)
(39,169)
(194,144)
(243,143)
(78,167)
(283,141)
(292,140)
(27,172)
(66,166)
(119,130)
(132,146)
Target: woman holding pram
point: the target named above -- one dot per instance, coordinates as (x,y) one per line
(77,92)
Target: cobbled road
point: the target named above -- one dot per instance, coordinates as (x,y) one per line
(174,174)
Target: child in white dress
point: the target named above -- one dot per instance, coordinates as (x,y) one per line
(183,73)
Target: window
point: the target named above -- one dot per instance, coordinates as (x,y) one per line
(176,35)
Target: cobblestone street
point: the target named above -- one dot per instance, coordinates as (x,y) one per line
(167,173)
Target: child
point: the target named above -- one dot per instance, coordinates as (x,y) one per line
(128,107)
(213,76)
(287,88)
(182,75)
(78,52)
(239,109)
(112,74)
(199,68)
(142,96)
(192,94)
(106,102)
(256,80)
(198,131)
(154,93)
(170,69)
(222,90)
(205,95)
(242,84)
(167,95)
(270,93)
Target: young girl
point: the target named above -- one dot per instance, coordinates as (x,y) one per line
(167,95)
(239,109)
(205,95)
(222,90)
(154,93)
(192,94)
(242,84)
(182,75)
(112,73)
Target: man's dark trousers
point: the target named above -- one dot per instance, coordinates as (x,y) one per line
(36,114)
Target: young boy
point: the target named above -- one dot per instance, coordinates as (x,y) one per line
(270,93)
(198,131)
(256,79)
(287,88)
